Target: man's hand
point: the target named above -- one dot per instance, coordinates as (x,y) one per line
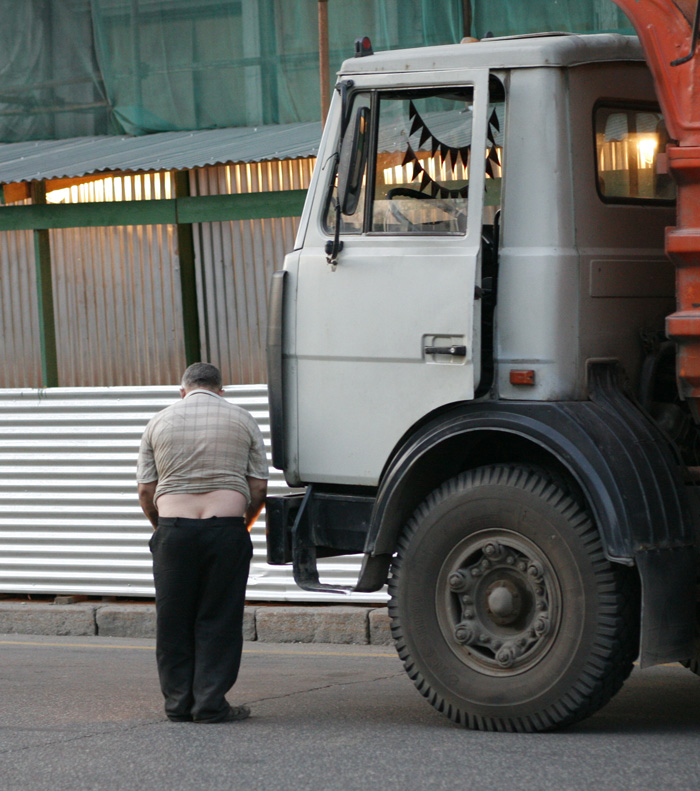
(258,492)
(148,506)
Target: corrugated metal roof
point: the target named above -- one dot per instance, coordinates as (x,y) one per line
(80,156)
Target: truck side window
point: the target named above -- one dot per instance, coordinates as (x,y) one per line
(421,174)
(348,223)
(628,143)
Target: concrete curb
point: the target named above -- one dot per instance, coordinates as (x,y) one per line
(267,624)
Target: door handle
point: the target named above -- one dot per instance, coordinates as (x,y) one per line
(455,351)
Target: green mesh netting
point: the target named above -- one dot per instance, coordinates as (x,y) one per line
(86,67)
(513,17)
(50,84)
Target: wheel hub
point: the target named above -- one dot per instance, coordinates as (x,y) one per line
(503,602)
(499,602)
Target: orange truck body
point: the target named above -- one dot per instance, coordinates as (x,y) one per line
(667,31)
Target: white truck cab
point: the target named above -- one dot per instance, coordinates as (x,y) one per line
(468,372)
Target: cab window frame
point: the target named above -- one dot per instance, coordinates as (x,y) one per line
(389,93)
(622,105)
(375,97)
(332,187)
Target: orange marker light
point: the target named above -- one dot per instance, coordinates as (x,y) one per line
(522,377)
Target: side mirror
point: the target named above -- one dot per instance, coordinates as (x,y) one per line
(353,158)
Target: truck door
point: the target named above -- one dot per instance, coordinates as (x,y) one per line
(391,331)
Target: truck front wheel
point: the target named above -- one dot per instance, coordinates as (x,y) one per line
(504,609)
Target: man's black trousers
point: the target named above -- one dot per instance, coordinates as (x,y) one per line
(200,567)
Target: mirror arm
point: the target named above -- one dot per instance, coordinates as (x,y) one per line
(335,246)
(343,87)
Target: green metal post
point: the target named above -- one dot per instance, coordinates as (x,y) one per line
(188,281)
(44,290)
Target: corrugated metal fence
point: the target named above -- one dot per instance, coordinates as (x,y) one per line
(117,298)
(118,306)
(70,521)
(235,261)
(19,319)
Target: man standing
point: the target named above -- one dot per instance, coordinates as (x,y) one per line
(202,480)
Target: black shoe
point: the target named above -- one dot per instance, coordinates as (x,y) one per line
(234,714)
(180,718)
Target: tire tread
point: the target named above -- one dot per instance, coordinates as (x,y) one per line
(614,649)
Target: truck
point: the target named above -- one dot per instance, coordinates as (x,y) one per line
(483,364)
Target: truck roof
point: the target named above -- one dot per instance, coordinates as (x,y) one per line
(555,50)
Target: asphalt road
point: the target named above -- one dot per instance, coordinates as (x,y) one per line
(85,713)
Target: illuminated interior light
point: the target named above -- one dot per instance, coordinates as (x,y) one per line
(646,150)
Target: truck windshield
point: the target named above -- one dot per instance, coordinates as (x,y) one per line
(629,141)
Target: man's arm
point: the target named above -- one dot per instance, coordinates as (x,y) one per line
(148,506)
(258,492)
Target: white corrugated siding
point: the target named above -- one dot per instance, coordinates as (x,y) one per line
(70,521)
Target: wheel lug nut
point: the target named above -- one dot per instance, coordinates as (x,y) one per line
(510,560)
(535,570)
(493,550)
(468,613)
(542,626)
(475,572)
(466,599)
(522,565)
(542,605)
(458,580)
(464,634)
(505,656)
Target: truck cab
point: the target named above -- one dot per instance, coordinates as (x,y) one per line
(469,373)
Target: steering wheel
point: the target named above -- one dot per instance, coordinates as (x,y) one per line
(448,207)
(406,192)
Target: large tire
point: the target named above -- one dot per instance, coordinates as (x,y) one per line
(693,664)
(504,609)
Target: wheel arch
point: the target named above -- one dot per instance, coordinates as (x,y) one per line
(618,460)
(474,436)
(626,468)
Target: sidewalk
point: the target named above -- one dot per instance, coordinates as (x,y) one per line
(275,623)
